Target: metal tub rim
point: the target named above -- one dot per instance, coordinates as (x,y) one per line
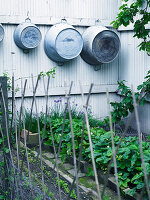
(93,52)
(1,38)
(19,31)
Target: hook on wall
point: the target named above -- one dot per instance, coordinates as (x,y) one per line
(28,18)
(97,22)
(63,20)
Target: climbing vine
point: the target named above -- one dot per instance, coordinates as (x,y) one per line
(122,109)
(51,72)
(138,14)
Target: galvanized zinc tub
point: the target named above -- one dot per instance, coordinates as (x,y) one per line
(62,43)
(27,35)
(1,33)
(100,45)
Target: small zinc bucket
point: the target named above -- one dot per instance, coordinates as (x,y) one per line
(27,35)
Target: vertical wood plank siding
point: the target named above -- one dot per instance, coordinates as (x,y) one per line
(24,64)
(97,103)
(103,9)
(133,66)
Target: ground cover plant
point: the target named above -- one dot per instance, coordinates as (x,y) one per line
(130,171)
(128,157)
(122,109)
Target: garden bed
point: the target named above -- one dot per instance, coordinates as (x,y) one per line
(86,168)
(131,178)
(50,178)
(130,173)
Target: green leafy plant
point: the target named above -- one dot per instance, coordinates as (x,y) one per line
(90,171)
(137,13)
(1,197)
(33,127)
(125,106)
(130,171)
(64,185)
(9,82)
(51,73)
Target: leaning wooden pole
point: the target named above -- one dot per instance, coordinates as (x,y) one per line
(113,144)
(40,148)
(90,141)
(63,126)
(73,148)
(25,142)
(140,144)
(81,144)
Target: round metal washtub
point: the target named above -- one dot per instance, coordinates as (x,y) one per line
(62,43)
(100,45)
(1,33)
(27,35)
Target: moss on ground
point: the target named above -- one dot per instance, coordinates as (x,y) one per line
(89,183)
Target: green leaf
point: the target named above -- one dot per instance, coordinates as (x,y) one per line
(137,176)
(6,150)
(1,197)
(131,191)
(140,186)
(1,140)
(90,171)
(121,7)
(109,153)
(134,147)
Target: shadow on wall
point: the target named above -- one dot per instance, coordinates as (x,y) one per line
(144,117)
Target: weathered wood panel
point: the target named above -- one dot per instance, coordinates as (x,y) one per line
(133,67)
(97,103)
(103,9)
(23,64)
(134,64)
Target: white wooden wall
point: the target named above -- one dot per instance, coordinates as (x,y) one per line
(44,13)
(133,66)
(98,103)
(23,64)
(103,9)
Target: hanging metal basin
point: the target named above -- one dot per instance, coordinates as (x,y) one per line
(62,43)
(100,45)
(1,33)
(27,35)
